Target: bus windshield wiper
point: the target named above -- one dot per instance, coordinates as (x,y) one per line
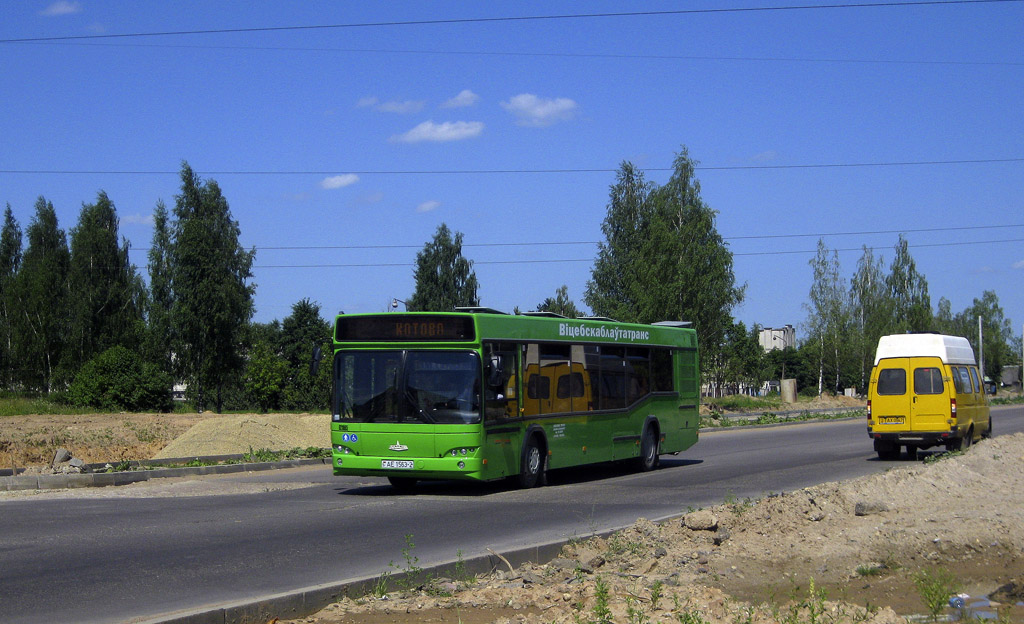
(411,398)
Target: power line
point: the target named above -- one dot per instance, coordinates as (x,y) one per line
(814,251)
(567,170)
(565,243)
(483,20)
(567,260)
(571,55)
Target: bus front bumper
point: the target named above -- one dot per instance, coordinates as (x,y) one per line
(459,467)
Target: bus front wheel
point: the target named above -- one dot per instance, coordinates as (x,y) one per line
(403,484)
(532,466)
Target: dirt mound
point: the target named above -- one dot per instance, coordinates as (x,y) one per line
(227,435)
(30,441)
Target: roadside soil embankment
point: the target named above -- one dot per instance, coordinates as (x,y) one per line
(844,552)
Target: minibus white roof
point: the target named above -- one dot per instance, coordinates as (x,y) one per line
(949,349)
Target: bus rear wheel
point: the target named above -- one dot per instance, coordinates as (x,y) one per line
(531,471)
(648,459)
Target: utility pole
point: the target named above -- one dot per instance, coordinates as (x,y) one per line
(981,352)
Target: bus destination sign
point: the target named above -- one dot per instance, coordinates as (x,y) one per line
(402,328)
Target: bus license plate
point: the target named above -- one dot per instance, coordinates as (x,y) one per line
(890,420)
(401,464)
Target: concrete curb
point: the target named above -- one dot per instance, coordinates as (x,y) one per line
(309,600)
(103,479)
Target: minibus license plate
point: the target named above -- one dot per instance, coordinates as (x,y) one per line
(402,464)
(890,420)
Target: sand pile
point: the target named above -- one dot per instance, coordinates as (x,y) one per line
(228,435)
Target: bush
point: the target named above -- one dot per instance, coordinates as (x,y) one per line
(118,380)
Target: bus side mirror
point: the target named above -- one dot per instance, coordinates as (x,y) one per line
(495,370)
(314,364)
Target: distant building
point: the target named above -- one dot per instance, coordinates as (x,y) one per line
(1009,376)
(772,338)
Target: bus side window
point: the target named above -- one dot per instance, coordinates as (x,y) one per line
(639,371)
(529,372)
(977,383)
(965,380)
(613,378)
(500,380)
(958,383)
(661,370)
(591,357)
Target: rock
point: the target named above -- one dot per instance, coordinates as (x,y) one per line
(594,563)
(563,564)
(62,455)
(702,520)
(529,577)
(660,552)
(867,508)
(721,536)
(816,516)
(1010,593)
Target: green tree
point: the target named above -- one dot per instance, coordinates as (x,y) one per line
(444,278)
(159,345)
(871,311)
(118,379)
(997,334)
(560,304)
(10,262)
(911,307)
(106,309)
(301,331)
(828,318)
(615,289)
(744,359)
(212,295)
(782,363)
(40,293)
(265,376)
(663,259)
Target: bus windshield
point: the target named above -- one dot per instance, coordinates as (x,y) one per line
(407,387)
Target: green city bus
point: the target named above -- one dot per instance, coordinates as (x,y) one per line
(476,394)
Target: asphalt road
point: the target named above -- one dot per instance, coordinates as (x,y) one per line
(119,558)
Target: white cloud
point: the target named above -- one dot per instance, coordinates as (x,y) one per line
(61,7)
(401,108)
(1019,264)
(138,219)
(538,112)
(394,106)
(338,181)
(427,206)
(463,99)
(447,131)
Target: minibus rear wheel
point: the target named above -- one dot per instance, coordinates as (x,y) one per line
(887,451)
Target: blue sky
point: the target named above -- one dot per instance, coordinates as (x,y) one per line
(513,129)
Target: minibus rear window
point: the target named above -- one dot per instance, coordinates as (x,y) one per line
(892,381)
(928,381)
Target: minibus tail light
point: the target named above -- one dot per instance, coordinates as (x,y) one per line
(869,410)
(952,408)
